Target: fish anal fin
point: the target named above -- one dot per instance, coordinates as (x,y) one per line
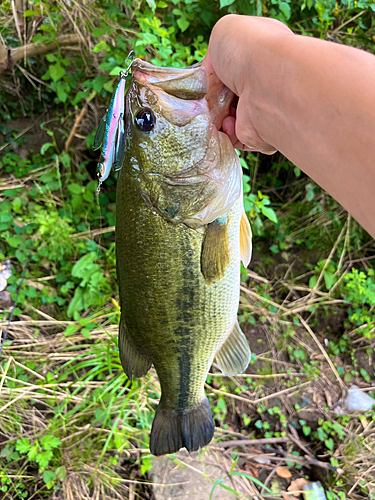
(134,363)
(234,355)
(245,240)
(192,429)
(215,256)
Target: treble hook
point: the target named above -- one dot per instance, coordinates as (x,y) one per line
(131,57)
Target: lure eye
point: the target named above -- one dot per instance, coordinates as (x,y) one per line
(145,119)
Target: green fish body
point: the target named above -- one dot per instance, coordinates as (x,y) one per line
(180,235)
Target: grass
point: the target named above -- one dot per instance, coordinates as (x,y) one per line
(71,424)
(72,389)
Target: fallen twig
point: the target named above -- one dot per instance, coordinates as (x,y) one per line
(304,460)
(77,123)
(8,57)
(243,442)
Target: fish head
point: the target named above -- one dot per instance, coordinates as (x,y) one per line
(186,169)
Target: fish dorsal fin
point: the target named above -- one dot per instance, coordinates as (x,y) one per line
(234,355)
(245,240)
(215,256)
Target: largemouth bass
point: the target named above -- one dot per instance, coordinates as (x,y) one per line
(181,232)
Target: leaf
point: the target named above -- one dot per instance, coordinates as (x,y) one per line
(45,147)
(65,160)
(56,72)
(310,193)
(297,172)
(61,472)
(51,58)
(283,472)
(269,213)
(285,9)
(108,86)
(81,266)
(39,38)
(29,13)
(146,465)
(215,485)
(76,304)
(99,32)
(6,452)
(23,445)
(225,3)
(33,452)
(86,333)
(313,281)
(48,442)
(14,241)
(75,189)
(43,458)
(329,279)
(306,430)
(116,71)
(183,23)
(99,83)
(329,443)
(48,476)
(102,45)
(62,91)
(151,4)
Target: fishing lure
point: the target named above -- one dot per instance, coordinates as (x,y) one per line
(111,131)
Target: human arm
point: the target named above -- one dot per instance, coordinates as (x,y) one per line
(310,99)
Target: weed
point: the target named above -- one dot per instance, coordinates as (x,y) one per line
(72,421)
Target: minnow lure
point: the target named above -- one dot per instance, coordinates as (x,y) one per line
(111,131)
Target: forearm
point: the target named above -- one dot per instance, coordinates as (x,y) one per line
(315,102)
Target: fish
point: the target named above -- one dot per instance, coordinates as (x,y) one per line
(110,134)
(181,233)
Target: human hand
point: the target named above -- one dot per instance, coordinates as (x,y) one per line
(232,42)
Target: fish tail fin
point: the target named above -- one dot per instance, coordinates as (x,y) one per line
(133,363)
(174,429)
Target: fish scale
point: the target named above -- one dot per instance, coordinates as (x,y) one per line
(176,294)
(178,264)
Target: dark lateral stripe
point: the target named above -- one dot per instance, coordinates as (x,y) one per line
(185,318)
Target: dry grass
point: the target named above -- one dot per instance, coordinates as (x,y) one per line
(88,377)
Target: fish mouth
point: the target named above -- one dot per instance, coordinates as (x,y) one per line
(195,83)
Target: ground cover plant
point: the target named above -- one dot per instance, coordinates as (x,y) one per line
(71,424)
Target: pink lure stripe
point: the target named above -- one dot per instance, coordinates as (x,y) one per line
(115,113)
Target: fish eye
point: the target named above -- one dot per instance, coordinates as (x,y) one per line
(145,119)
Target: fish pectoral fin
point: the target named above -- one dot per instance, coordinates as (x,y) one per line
(215,256)
(134,364)
(191,428)
(234,355)
(245,240)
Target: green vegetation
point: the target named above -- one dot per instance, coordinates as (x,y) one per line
(71,424)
